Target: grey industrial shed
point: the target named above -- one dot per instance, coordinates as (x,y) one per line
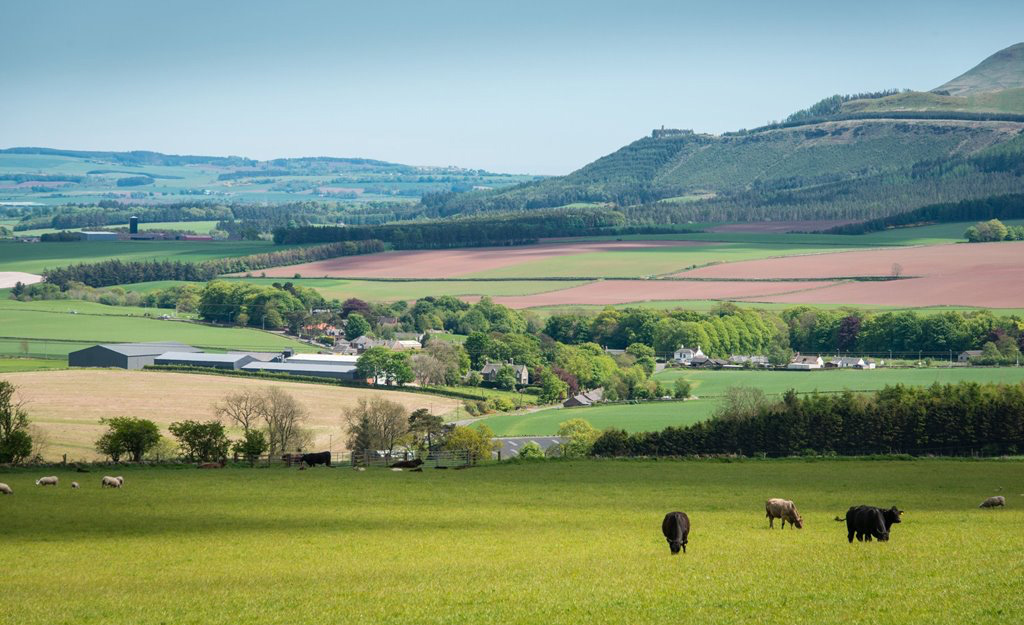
(202,359)
(337,372)
(124,355)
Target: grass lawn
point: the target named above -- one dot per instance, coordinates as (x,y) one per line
(13,365)
(35,257)
(46,328)
(543,542)
(645,417)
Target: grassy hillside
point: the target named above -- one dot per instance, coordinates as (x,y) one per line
(1002,70)
(559,543)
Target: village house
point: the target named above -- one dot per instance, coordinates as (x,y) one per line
(805,363)
(491,369)
(966,356)
(849,362)
(752,361)
(587,398)
(685,355)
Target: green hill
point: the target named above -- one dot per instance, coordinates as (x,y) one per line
(846,157)
(1003,70)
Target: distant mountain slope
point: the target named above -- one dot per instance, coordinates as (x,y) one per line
(1002,70)
(846,157)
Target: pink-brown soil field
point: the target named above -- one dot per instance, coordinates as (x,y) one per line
(977,274)
(453,263)
(609,292)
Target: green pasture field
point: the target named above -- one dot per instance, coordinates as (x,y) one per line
(715,383)
(652,261)
(35,257)
(644,417)
(14,365)
(709,304)
(46,329)
(199,227)
(552,542)
(388,291)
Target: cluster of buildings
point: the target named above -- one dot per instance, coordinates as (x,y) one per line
(694,357)
(139,355)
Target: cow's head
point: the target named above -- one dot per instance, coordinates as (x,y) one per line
(893,514)
(798,522)
(675,545)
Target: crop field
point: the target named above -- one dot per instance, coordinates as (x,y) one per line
(643,417)
(67,405)
(13,365)
(35,257)
(386,291)
(543,542)
(49,328)
(709,387)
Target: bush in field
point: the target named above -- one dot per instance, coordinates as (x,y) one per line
(201,442)
(253,445)
(681,388)
(15,439)
(581,437)
(127,436)
(532,451)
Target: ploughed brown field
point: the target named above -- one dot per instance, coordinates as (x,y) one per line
(456,262)
(68,404)
(609,292)
(977,274)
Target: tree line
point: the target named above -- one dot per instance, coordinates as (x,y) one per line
(953,419)
(115,271)
(996,207)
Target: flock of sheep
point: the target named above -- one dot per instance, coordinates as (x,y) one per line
(861,521)
(53,480)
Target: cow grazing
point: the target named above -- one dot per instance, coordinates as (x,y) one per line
(47,481)
(407,464)
(782,509)
(676,528)
(323,457)
(5,489)
(110,482)
(74,484)
(868,521)
(994,502)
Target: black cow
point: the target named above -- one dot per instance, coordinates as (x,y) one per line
(676,528)
(868,521)
(323,457)
(407,464)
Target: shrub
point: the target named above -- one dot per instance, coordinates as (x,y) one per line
(532,451)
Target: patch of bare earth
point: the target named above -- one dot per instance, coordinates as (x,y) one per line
(11,278)
(68,404)
(610,292)
(455,262)
(979,274)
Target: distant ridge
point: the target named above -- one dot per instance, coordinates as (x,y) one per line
(1002,70)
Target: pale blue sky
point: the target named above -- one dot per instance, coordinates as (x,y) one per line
(532,87)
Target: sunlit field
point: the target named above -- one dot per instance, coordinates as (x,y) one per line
(551,542)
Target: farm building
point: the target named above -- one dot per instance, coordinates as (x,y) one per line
(491,369)
(849,362)
(201,359)
(753,361)
(266,356)
(805,363)
(336,372)
(587,398)
(323,359)
(97,236)
(966,356)
(124,355)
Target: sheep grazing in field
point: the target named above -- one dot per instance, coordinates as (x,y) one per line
(5,489)
(994,502)
(110,482)
(74,484)
(47,481)
(395,469)
(782,509)
(676,528)
(359,468)
(120,479)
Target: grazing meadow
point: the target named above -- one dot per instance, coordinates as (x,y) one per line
(558,542)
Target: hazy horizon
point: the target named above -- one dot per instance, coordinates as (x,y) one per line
(543,89)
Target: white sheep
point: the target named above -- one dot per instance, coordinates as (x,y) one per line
(359,468)
(120,479)
(74,484)
(50,480)
(994,502)
(5,489)
(111,482)
(396,469)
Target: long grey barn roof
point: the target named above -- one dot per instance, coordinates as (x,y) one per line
(297,367)
(147,349)
(202,357)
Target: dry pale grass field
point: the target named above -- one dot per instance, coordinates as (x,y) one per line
(67,405)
